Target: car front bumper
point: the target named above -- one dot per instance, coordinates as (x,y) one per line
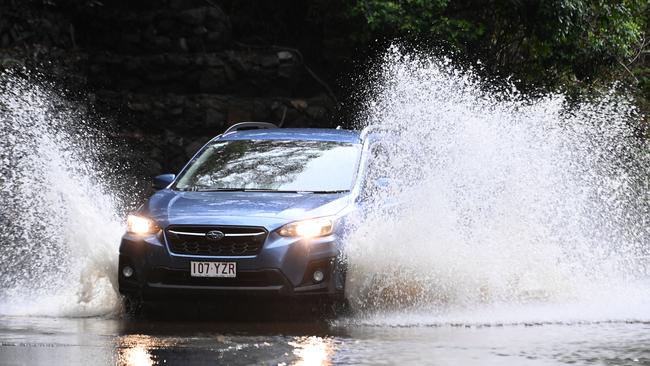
(283,268)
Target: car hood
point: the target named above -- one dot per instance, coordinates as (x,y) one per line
(268,209)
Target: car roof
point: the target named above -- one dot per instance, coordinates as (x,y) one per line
(308,134)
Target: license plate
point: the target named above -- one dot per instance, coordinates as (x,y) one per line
(213,269)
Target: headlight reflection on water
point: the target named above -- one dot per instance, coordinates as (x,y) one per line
(313,350)
(136,356)
(142,350)
(135,350)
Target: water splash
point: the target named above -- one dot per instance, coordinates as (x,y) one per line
(60,222)
(501,199)
(509,209)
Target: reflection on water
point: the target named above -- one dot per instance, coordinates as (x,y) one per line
(96,341)
(313,350)
(137,356)
(134,350)
(144,350)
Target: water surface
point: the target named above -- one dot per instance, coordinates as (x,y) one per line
(97,341)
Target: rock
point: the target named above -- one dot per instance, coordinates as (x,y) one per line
(215,13)
(162,43)
(165,25)
(214,119)
(193,116)
(287,71)
(299,104)
(194,146)
(131,64)
(138,107)
(156,153)
(200,30)
(214,37)
(297,121)
(213,102)
(178,60)
(182,44)
(284,115)
(212,60)
(285,56)
(177,4)
(157,114)
(269,60)
(212,80)
(195,44)
(131,38)
(193,16)
(316,112)
(238,113)
(156,76)
(261,110)
(173,139)
(175,100)
(176,159)
(152,167)
(5,40)
(158,60)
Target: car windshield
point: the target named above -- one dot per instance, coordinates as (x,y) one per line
(272,165)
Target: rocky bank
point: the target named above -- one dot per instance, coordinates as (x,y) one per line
(170,74)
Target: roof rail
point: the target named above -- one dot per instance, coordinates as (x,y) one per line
(241,126)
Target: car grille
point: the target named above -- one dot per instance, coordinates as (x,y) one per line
(237,240)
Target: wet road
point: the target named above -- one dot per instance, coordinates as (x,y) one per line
(99,341)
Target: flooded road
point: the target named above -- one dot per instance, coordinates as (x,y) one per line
(97,341)
(519,235)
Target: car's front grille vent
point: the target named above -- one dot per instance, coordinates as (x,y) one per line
(215,240)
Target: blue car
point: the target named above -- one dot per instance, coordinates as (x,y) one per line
(258,211)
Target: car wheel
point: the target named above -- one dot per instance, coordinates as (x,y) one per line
(341,307)
(132,305)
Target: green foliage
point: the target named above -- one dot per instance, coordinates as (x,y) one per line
(404,16)
(543,42)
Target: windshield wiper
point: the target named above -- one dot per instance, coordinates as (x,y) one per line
(221,190)
(242,190)
(269,190)
(264,190)
(292,191)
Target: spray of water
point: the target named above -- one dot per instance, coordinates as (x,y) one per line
(60,226)
(501,207)
(500,200)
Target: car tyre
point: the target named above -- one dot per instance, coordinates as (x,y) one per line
(133,305)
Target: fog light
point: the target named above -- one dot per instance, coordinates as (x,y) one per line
(318,275)
(127,271)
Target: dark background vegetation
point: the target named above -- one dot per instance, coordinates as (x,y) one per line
(170,74)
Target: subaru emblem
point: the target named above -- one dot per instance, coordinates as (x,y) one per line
(214,235)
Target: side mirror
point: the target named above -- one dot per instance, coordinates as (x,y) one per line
(162,181)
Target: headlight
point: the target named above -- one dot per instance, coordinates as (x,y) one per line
(140,225)
(308,228)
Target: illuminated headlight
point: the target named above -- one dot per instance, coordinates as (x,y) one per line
(140,225)
(308,228)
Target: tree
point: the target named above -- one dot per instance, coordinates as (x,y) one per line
(540,42)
